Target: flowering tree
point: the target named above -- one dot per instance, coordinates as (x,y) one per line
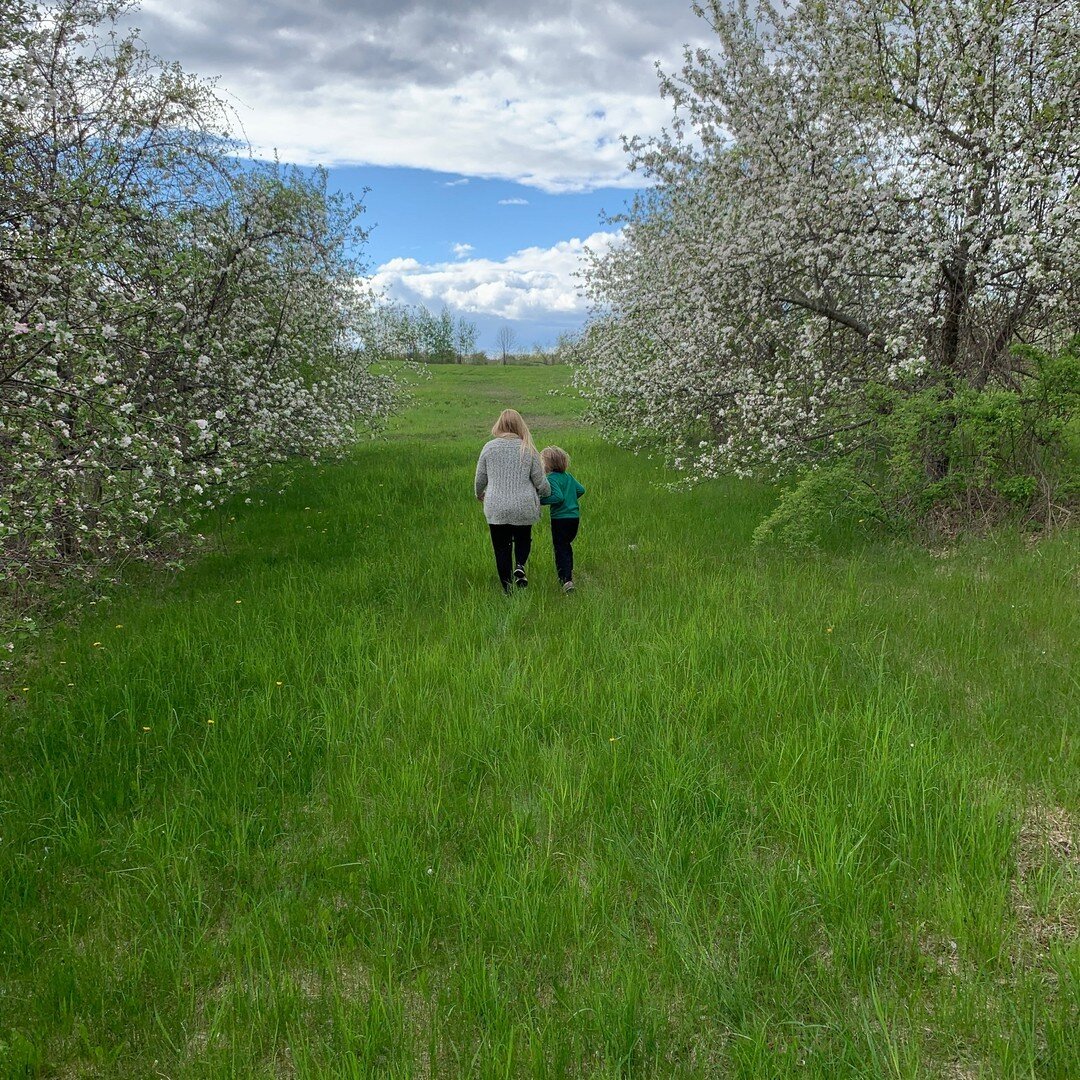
(171,320)
(857,201)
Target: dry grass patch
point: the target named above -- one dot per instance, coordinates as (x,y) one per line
(1046,888)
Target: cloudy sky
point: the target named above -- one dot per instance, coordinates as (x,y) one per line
(488,131)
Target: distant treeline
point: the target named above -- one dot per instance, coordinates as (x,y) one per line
(414,333)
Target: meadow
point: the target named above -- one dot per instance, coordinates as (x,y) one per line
(326,804)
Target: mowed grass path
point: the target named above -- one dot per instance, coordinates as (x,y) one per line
(328,805)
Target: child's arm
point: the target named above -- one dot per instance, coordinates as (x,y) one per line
(556,496)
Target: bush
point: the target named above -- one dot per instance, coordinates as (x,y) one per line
(946,456)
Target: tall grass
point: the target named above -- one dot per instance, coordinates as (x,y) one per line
(330,805)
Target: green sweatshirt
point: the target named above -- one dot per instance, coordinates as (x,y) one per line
(565,491)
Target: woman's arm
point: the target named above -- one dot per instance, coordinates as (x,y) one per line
(538,477)
(481,481)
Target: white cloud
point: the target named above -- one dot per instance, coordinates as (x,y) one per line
(556,143)
(513,202)
(532,285)
(535,93)
(461,250)
(456,183)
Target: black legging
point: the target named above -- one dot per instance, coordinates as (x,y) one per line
(505,537)
(563,532)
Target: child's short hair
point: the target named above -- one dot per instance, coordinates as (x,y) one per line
(555,459)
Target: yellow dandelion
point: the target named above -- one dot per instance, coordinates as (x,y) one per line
(278,683)
(828,629)
(119,626)
(71,684)
(96,645)
(26,689)
(209,721)
(146,729)
(239,601)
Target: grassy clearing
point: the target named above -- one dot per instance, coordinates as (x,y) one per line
(329,805)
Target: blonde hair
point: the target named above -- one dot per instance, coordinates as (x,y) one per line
(511,422)
(555,459)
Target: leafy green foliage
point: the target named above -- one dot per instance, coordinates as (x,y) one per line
(946,456)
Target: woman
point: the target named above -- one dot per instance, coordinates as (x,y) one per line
(510,482)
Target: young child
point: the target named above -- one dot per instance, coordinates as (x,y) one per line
(565,515)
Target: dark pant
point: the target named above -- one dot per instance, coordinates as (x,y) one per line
(512,544)
(563,531)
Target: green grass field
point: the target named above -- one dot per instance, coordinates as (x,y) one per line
(328,805)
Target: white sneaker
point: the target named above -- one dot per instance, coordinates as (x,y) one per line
(568,586)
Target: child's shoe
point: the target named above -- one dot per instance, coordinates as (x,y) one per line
(520,580)
(568,587)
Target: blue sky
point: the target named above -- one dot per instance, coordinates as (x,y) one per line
(425,215)
(488,131)
(495,251)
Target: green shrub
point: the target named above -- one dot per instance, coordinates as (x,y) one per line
(947,457)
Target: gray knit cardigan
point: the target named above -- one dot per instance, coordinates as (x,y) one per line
(510,483)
